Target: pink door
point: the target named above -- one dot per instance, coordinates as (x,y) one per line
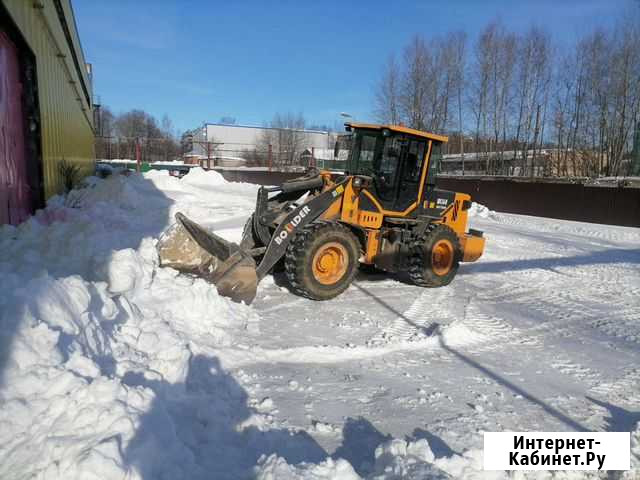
(15,195)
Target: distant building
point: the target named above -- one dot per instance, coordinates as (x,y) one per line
(507,163)
(231,143)
(45,103)
(247,136)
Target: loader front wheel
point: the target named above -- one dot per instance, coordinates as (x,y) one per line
(322,260)
(435,257)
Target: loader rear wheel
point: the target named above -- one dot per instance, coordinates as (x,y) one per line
(322,260)
(435,257)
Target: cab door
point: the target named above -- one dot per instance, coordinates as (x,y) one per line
(413,157)
(386,176)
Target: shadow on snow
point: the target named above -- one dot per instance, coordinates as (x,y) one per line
(204,428)
(602,257)
(433,330)
(619,419)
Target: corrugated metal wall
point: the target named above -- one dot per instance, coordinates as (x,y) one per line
(65,110)
(583,203)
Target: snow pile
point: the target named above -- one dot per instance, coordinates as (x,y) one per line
(276,468)
(479,210)
(93,333)
(394,459)
(199,177)
(635,454)
(409,460)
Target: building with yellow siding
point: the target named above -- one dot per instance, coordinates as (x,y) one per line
(46,103)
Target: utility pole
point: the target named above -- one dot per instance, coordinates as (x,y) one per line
(138,156)
(635,153)
(462,150)
(536,131)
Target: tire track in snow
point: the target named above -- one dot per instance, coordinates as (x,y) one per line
(625,324)
(461,320)
(498,332)
(566,366)
(555,227)
(567,314)
(407,336)
(420,318)
(623,390)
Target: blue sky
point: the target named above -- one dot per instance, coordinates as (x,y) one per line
(200,60)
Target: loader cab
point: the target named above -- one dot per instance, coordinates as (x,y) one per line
(398,161)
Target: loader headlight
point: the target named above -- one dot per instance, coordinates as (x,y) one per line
(357,182)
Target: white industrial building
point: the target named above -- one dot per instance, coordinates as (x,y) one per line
(230,144)
(248,136)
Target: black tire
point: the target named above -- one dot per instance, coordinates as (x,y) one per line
(425,266)
(304,250)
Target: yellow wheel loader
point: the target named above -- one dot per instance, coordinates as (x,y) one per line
(384,212)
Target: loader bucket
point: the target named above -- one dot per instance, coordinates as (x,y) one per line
(189,248)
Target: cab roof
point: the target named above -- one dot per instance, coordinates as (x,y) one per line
(401,129)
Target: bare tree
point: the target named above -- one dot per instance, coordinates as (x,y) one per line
(286,136)
(387,98)
(564,83)
(501,64)
(623,109)
(458,65)
(481,83)
(568,114)
(118,135)
(531,93)
(413,97)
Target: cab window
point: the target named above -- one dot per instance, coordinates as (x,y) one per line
(388,169)
(411,174)
(363,153)
(434,162)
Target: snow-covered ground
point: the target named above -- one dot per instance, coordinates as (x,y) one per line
(113,368)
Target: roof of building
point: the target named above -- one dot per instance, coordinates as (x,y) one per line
(401,129)
(324,132)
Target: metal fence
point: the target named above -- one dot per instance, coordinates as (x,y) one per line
(147,149)
(267,156)
(544,162)
(213,155)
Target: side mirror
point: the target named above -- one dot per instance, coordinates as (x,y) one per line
(336,149)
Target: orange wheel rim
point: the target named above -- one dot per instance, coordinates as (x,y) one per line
(442,257)
(330,263)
